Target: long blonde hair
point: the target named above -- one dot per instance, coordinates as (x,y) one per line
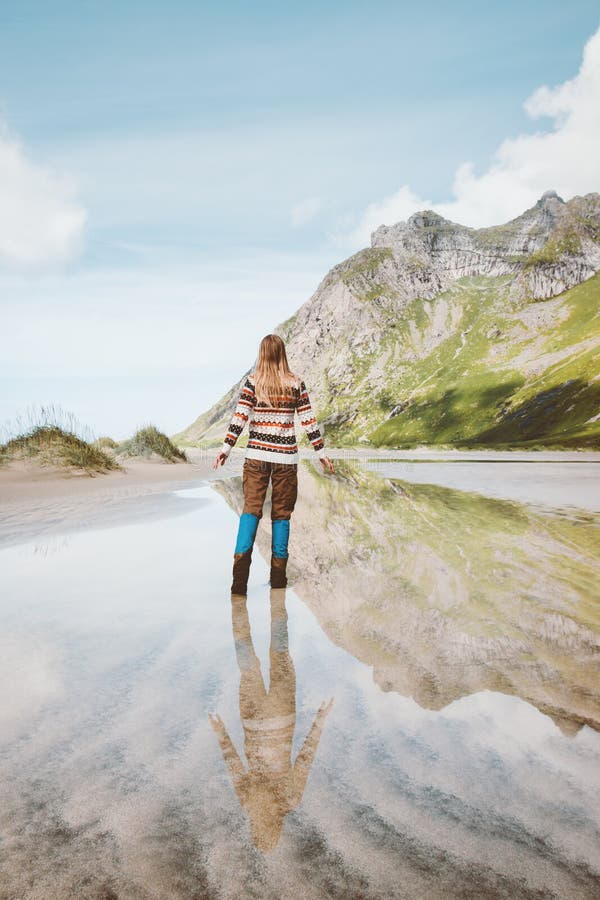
(273,378)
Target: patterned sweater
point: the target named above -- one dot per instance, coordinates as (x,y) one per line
(271,428)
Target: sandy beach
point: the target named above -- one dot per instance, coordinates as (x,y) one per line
(22,483)
(35,499)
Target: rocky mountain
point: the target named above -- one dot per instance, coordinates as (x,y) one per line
(443,334)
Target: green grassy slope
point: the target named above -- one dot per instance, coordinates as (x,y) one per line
(473,367)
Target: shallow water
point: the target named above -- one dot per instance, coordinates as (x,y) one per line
(158,740)
(568,484)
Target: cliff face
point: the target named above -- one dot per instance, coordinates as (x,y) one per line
(434,305)
(550,248)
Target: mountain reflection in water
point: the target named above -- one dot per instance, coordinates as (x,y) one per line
(445,593)
(271,786)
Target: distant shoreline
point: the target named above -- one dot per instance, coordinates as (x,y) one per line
(37,502)
(483,455)
(27,484)
(446,454)
(22,482)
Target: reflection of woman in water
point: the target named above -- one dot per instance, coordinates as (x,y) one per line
(271,786)
(268,400)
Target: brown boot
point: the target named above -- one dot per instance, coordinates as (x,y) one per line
(278,577)
(241,570)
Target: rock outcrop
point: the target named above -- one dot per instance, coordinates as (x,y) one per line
(549,248)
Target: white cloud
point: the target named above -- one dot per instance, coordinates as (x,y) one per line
(564,157)
(306,210)
(40,222)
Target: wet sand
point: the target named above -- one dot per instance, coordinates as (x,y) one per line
(35,500)
(26,483)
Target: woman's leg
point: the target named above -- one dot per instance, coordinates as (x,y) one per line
(285,491)
(255,480)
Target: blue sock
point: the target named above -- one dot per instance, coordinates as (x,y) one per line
(280,533)
(246,532)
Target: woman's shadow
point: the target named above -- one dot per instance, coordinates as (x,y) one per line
(270,787)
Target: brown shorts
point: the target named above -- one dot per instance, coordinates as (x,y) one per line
(284,480)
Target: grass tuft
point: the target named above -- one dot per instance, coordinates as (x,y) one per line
(148,441)
(52,437)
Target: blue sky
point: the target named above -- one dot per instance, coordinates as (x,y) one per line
(213,161)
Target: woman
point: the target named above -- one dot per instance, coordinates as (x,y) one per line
(268,400)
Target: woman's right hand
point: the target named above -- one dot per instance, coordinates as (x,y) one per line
(220,459)
(326,463)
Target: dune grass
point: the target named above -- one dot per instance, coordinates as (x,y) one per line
(147,441)
(50,436)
